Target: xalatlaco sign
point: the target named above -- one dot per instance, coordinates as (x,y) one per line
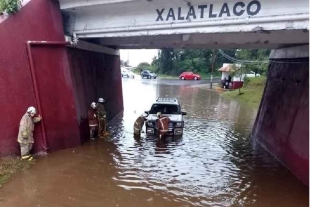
(205,11)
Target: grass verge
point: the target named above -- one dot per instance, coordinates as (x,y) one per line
(163,76)
(9,166)
(252,92)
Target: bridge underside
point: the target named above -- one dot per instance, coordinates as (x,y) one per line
(135,24)
(250,40)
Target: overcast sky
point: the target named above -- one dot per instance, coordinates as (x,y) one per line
(138,56)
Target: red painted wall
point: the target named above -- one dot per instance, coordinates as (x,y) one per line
(56,96)
(66,86)
(282,123)
(38,20)
(95,75)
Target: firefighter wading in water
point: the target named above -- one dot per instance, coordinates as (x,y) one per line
(137,128)
(162,124)
(25,134)
(93,120)
(102,116)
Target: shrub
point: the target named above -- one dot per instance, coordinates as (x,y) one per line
(10,6)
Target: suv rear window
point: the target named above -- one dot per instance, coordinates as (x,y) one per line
(165,109)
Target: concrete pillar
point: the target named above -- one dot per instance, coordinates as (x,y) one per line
(282,123)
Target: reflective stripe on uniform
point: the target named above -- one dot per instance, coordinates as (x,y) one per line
(162,125)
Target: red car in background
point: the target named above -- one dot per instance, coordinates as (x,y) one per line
(189,76)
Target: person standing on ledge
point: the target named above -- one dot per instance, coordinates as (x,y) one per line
(25,134)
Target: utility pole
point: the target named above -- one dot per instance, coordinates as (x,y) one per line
(128,57)
(214,53)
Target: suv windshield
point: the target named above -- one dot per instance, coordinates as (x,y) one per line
(165,109)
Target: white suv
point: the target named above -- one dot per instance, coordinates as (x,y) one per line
(127,73)
(169,107)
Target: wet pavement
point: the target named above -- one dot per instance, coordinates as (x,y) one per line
(215,163)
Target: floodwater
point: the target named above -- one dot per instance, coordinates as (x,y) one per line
(215,163)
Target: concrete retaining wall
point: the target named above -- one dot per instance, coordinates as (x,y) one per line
(66,87)
(282,123)
(95,75)
(38,20)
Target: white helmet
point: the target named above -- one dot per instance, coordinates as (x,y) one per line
(31,109)
(93,105)
(101,100)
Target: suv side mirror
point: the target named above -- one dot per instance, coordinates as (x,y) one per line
(147,112)
(184,113)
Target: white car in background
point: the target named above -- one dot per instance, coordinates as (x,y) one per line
(252,75)
(127,73)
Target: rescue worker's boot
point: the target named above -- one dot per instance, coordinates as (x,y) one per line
(106,134)
(30,158)
(25,157)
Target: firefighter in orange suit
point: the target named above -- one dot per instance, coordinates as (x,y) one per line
(162,124)
(92,120)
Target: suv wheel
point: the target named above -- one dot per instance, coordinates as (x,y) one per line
(195,78)
(182,78)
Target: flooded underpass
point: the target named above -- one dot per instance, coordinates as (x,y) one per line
(215,163)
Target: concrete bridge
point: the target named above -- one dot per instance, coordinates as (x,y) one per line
(188,24)
(42,68)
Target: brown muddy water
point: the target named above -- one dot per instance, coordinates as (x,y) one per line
(215,163)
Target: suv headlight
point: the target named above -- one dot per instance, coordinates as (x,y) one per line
(179,124)
(150,124)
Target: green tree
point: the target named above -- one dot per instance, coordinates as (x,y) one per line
(259,57)
(10,6)
(205,61)
(125,63)
(166,61)
(143,66)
